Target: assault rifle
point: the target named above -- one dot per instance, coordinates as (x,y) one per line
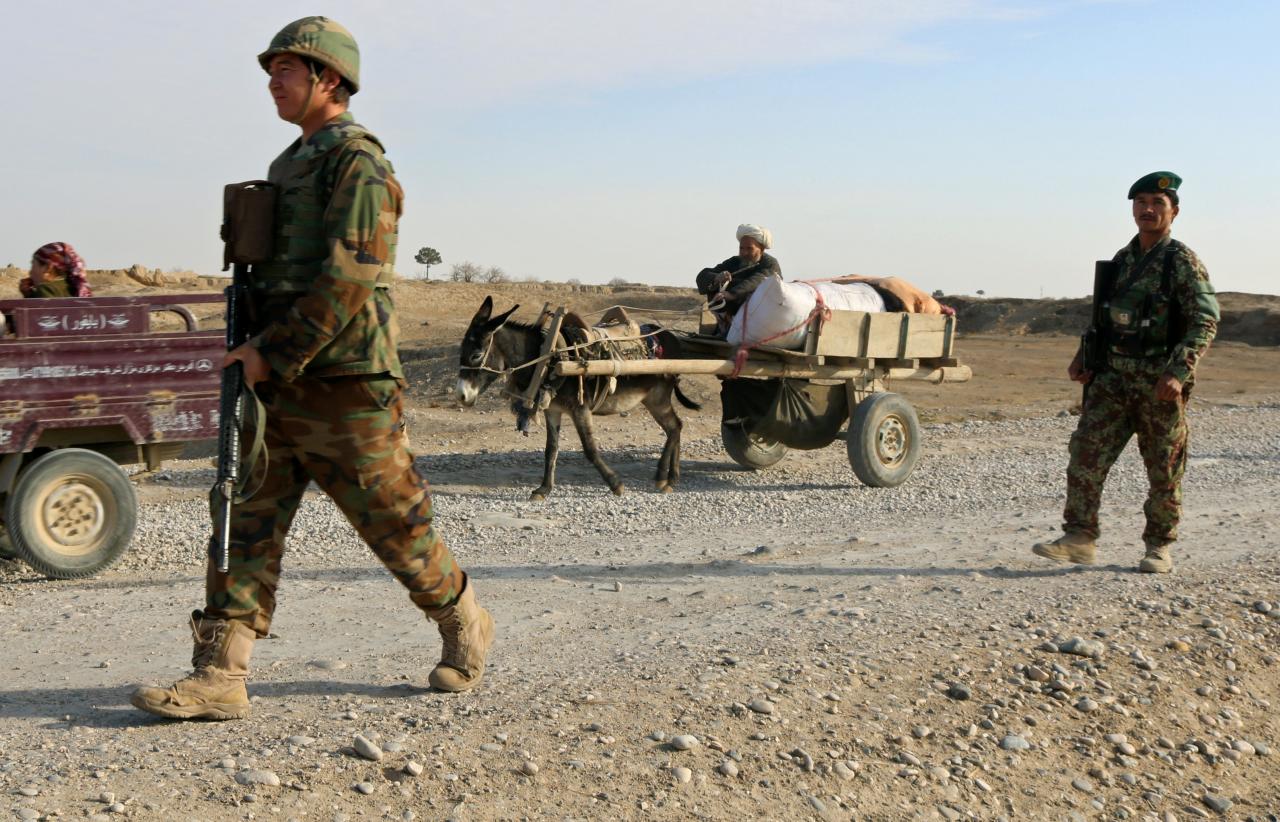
(230,424)
(1093,342)
(247,217)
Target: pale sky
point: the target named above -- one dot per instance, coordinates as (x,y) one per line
(963,144)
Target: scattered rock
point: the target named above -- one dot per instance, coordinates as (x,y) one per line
(1090,648)
(258,777)
(367,749)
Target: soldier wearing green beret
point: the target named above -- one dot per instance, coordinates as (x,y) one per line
(323,360)
(1160,316)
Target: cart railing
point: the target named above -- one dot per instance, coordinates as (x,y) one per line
(937,371)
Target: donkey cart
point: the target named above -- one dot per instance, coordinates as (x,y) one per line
(776,399)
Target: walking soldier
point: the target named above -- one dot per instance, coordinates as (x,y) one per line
(1157,316)
(323,360)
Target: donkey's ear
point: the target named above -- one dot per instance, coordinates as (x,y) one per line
(502,318)
(486,309)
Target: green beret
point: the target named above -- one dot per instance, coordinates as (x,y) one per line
(1157,182)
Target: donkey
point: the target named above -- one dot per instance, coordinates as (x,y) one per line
(495,344)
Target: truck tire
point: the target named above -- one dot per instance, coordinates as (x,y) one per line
(71,514)
(883,440)
(749,451)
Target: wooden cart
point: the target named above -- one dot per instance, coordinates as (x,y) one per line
(861,352)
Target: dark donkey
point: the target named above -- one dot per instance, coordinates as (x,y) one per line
(495,344)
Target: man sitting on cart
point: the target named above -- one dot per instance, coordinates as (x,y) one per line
(728,285)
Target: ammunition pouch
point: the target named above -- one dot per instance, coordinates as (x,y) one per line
(248,223)
(1141,330)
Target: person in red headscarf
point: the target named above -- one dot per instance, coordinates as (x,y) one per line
(56,271)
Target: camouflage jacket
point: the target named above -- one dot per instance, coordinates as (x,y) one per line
(324,302)
(1193,297)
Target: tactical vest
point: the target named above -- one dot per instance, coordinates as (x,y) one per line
(1144,323)
(303,176)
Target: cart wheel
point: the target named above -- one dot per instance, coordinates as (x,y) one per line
(750,451)
(71,514)
(884,440)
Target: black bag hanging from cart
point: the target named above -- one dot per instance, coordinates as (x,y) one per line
(798,413)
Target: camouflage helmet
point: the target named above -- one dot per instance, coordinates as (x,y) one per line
(322,40)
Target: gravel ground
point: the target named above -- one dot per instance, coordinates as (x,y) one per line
(780,644)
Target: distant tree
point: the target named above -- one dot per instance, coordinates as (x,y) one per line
(496,275)
(573,281)
(618,281)
(427,257)
(466,272)
(937,295)
(981,293)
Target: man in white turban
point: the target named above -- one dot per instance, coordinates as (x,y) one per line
(728,285)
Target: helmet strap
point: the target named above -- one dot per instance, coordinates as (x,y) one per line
(311,94)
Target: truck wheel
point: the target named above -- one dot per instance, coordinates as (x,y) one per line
(71,514)
(884,440)
(750,451)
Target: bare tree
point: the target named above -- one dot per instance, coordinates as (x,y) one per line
(618,281)
(496,275)
(466,272)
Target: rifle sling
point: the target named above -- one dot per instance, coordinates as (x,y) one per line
(257,450)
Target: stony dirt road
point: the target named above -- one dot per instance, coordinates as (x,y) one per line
(783,645)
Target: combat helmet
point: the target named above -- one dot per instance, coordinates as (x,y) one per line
(320,39)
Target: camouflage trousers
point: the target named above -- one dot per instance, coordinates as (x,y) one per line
(347,434)
(1120,405)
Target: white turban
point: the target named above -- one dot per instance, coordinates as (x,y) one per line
(758,233)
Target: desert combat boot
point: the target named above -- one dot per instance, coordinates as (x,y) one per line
(215,689)
(1159,560)
(467,632)
(1070,547)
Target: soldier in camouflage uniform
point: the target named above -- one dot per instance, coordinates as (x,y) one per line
(324,362)
(1161,315)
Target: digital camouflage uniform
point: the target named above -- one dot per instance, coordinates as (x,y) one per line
(1122,397)
(327,326)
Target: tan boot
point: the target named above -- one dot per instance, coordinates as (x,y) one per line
(1070,547)
(215,689)
(1159,560)
(467,631)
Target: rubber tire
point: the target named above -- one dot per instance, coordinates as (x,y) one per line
(883,440)
(97,488)
(750,452)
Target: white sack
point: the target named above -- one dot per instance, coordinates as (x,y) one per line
(776,306)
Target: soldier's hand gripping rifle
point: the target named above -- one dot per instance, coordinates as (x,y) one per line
(1093,342)
(247,217)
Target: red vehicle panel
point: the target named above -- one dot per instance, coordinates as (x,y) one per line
(86,385)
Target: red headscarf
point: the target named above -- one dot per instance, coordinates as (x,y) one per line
(62,257)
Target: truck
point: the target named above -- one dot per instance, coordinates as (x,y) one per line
(87,386)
